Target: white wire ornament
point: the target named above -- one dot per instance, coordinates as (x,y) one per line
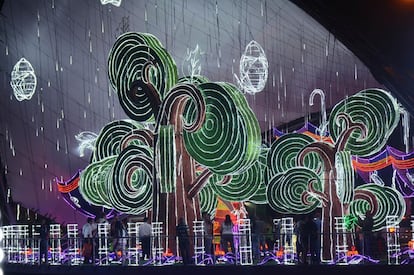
(23,80)
(86,141)
(253,69)
(116,3)
(191,65)
(324,123)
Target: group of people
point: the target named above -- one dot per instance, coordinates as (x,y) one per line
(308,238)
(307,231)
(118,234)
(226,237)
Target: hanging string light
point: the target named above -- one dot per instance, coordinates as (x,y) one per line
(23,80)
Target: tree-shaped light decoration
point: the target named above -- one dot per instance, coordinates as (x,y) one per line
(191,65)
(86,141)
(304,174)
(120,146)
(23,80)
(201,129)
(253,69)
(116,3)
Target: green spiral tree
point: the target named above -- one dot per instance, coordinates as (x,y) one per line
(182,134)
(304,174)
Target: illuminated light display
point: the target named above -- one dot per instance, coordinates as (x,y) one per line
(23,80)
(204,146)
(393,239)
(166,160)
(208,200)
(406,127)
(122,145)
(131,187)
(93,182)
(358,129)
(401,162)
(259,196)
(253,69)
(345,180)
(221,144)
(138,60)
(86,142)
(287,192)
(308,129)
(70,192)
(109,139)
(191,64)
(283,153)
(199,244)
(240,187)
(116,3)
(324,124)
(200,129)
(376,110)
(245,242)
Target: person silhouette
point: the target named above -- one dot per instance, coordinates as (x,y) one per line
(367,225)
(145,231)
(308,231)
(208,234)
(44,240)
(227,235)
(183,241)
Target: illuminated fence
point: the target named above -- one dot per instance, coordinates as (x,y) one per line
(341,240)
(286,227)
(73,249)
(21,245)
(199,245)
(134,245)
(157,243)
(34,243)
(55,244)
(245,245)
(16,243)
(393,243)
(103,244)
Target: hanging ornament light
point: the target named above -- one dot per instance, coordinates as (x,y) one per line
(23,80)
(116,3)
(253,69)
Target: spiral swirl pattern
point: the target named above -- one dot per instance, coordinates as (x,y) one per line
(131,187)
(286,191)
(109,140)
(142,72)
(374,108)
(93,183)
(284,151)
(389,203)
(228,141)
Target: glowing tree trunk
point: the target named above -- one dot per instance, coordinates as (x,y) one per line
(331,209)
(173,202)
